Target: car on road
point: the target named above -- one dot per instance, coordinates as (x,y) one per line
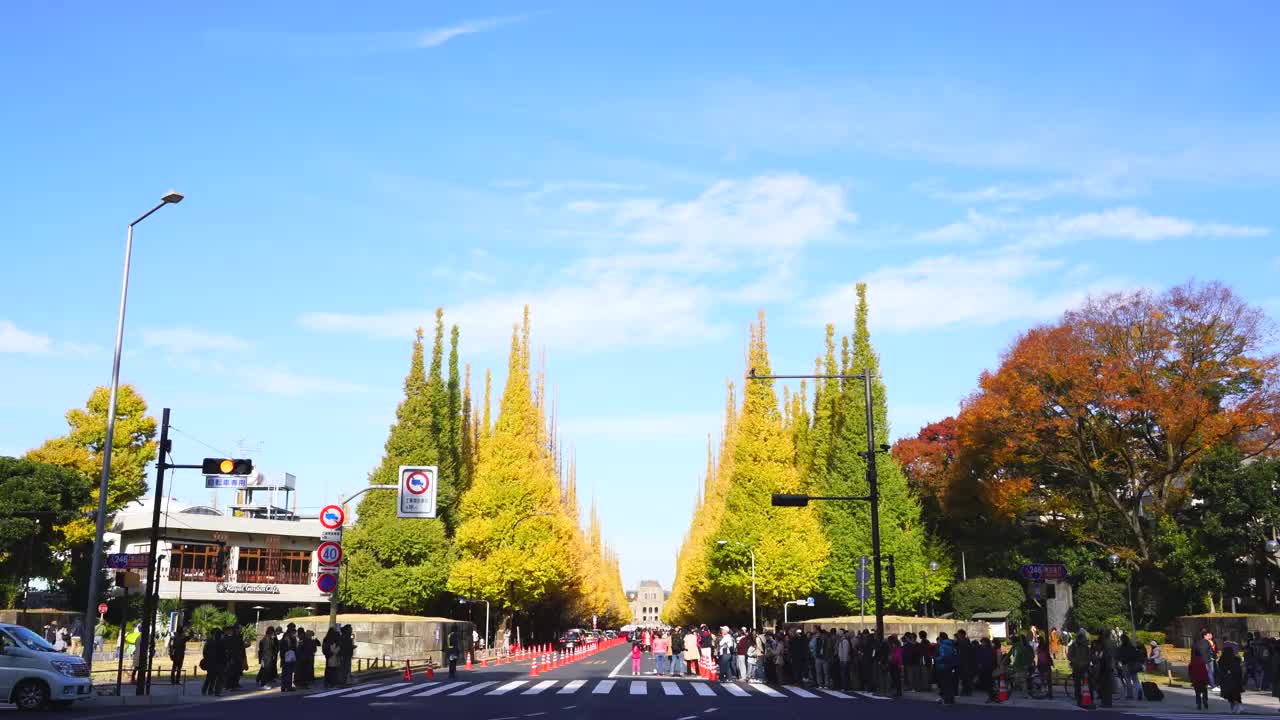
(33,675)
(571,639)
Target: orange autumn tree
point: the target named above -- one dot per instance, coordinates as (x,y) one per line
(1093,425)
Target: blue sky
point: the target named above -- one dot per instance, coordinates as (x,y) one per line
(644,177)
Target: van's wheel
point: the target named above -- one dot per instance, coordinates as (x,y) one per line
(31,695)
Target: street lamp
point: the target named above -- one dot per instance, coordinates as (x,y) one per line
(1128,583)
(932,567)
(257,615)
(753,578)
(873,486)
(170,198)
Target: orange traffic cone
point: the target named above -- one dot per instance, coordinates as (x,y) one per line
(431,670)
(1086,695)
(408,673)
(533,669)
(484,659)
(1002,693)
(468,660)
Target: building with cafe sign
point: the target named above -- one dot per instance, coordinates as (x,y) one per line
(268,559)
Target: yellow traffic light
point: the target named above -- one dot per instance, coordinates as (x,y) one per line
(226,466)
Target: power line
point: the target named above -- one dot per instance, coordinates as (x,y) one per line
(189,436)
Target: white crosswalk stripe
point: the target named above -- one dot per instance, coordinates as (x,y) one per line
(405,690)
(836,694)
(667,688)
(801,692)
(442,689)
(341,691)
(368,690)
(571,687)
(1182,716)
(473,689)
(537,689)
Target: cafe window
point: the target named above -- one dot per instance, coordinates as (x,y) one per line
(193,562)
(280,566)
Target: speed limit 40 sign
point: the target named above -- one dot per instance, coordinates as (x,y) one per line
(329,554)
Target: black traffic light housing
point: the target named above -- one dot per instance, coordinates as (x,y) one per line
(227,466)
(892,571)
(788,500)
(120,579)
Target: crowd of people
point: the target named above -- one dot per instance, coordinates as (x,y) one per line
(286,655)
(841,659)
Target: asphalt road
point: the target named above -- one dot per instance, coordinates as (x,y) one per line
(599,686)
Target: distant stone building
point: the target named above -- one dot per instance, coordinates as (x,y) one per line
(646,603)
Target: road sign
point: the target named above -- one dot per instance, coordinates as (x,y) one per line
(1044,571)
(102,608)
(331,536)
(809,601)
(416,493)
(327,582)
(332,517)
(129,561)
(329,553)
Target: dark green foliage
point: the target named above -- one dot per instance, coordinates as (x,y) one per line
(988,594)
(1100,605)
(36,502)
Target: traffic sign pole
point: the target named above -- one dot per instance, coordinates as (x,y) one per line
(333,518)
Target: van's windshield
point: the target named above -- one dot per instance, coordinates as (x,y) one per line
(28,639)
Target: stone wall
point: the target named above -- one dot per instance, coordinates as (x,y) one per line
(1185,630)
(395,637)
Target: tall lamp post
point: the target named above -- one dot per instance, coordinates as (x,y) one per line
(932,567)
(873,487)
(1128,583)
(95,574)
(751,550)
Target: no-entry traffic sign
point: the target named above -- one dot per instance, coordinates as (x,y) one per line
(332,517)
(327,582)
(329,553)
(102,608)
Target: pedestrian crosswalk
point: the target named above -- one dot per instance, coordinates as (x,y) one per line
(535,687)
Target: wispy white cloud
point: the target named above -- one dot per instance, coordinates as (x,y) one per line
(1105,185)
(982,289)
(345,44)
(759,220)
(16,340)
(439,36)
(280,381)
(185,340)
(1122,223)
(610,312)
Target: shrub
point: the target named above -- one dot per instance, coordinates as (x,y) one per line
(986,594)
(206,618)
(1100,605)
(297,612)
(1146,636)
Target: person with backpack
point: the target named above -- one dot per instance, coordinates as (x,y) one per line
(177,654)
(677,653)
(213,658)
(330,647)
(947,664)
(1198,674)
(1131,658)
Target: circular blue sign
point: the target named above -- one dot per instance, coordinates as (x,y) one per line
(327,582)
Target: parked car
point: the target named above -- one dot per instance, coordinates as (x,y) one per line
(33,675)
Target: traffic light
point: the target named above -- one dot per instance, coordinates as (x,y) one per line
(893,573)
(227,466)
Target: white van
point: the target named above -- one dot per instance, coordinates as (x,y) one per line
(34,675)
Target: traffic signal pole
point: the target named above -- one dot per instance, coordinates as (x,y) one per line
(873,485)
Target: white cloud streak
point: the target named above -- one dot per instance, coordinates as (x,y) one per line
(979,290)
(1106,185)
(1122,223)
(280,381)
(186,340)
(16,340)
(439,36)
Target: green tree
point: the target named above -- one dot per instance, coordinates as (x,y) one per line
(80,450)
(788,542)
(517,543)
(1100,605)
(848,524)
(394,564)
(207,618)
(37,503)
(987,594)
